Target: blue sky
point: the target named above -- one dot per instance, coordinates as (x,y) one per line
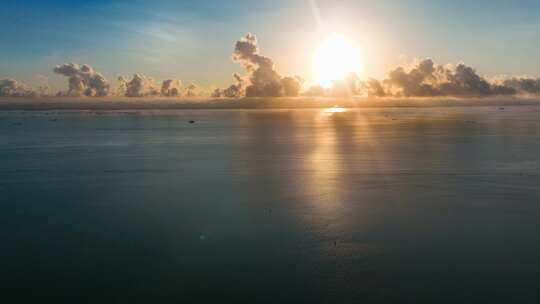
(193,40)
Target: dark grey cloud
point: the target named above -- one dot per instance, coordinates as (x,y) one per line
(83,80)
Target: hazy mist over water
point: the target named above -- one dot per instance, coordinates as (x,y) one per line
(372,205)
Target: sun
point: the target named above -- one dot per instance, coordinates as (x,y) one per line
(335,59)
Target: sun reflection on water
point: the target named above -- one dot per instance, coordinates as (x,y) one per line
(335,109)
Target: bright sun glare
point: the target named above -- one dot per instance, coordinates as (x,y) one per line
(336,58)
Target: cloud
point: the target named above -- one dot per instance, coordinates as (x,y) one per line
(143,86)
(12,88)
(193,90)
(427,79)
(375,88)
(122,86)
(235,90)
(291,86)
(262,80)
(83,80)
(171,87)
(43,89)
(423,78)
(315,91)
(523,85)
(138,86)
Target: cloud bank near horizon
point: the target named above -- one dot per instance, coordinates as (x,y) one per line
(429,80)
(12,88)
(424,79)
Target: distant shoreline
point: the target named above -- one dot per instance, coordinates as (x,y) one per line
(45,104)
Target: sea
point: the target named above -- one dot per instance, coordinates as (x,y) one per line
(367,205)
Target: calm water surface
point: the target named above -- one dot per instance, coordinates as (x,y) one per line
(437,205)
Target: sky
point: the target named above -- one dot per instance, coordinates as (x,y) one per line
(193,40)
